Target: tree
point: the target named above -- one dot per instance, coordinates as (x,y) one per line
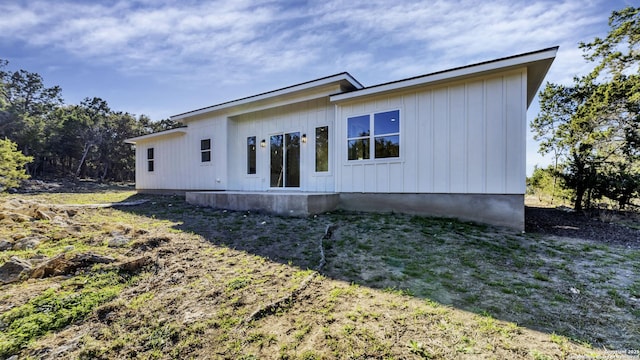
(593,127)
(25,107)
(84,140)
(93,115)
(12,164)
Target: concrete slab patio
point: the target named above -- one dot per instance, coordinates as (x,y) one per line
(276,202)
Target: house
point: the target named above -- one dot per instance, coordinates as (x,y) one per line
(450,143)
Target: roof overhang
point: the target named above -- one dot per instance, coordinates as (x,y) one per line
(159,135)
(537,64)
(295,93)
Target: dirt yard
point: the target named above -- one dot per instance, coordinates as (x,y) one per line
(154,277)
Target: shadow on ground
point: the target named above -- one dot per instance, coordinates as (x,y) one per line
(585,290)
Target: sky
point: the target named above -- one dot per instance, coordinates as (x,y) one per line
(162,57)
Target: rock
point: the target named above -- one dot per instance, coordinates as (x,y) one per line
(59,235)
(61,221)
(27,243)
(16,217)
(40,214)
(14,270)
(60,265)
(18,236)
(57,265)
(37,259)
(136,265)
(118,240)
(5,245)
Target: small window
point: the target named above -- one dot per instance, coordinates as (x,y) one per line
(383,134)
(322,149)
(150,159)
(251,155)
(205,150)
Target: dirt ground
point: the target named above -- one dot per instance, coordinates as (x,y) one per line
(224,284)
(607,227)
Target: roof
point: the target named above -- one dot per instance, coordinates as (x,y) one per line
(166,133)
(345,79)
(537,63)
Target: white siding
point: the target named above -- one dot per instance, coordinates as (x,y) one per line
(302,117)
(177,160)
(465,137)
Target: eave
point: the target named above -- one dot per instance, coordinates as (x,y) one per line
(158,135)
(536,62)
(295,93)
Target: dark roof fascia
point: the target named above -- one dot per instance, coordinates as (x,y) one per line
(355,92)
(345,74)
(177,129)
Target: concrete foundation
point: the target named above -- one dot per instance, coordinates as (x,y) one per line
(281,203)
(494,209)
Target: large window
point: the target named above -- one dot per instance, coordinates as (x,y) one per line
(205,150)
(251,155)
(322,149)
(385,137)
(150,159)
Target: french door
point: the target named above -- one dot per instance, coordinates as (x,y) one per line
(285,160)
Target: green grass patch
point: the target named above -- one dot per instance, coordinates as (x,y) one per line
(539,276)
(238,283)
(54,309)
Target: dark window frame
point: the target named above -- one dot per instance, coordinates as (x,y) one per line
(205,150)
(150,159)
(252,155)
(377,142)
(322,146)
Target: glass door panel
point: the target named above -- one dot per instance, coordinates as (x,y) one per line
(277,157)
(285,160)
(292,159)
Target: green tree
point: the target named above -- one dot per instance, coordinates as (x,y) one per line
(84,140)
(593,126)
(12,164)
(25,107)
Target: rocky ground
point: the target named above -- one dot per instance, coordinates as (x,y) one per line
(154,277)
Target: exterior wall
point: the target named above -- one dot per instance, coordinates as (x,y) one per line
(281,203)
(460,138)
(495,209)
(177,162)
(301,117)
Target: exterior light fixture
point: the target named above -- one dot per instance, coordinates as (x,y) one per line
(263,143)
(304,138)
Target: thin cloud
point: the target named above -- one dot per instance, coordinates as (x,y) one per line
(215,39)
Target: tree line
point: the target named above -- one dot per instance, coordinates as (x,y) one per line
(592,127)
(79,140)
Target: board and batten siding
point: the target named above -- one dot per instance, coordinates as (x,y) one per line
(302,117)
(466,137)
(177,159)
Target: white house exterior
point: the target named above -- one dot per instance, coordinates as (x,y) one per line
(451,143)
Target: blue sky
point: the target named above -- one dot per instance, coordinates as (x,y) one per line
(162,57)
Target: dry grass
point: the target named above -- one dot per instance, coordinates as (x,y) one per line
(394,286)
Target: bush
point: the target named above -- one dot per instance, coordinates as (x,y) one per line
(12,164)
